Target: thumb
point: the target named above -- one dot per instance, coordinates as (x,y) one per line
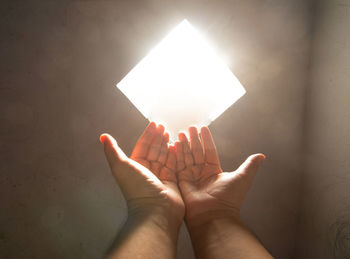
(115,156)
(250,166)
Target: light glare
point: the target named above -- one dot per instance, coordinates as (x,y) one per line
(181,82)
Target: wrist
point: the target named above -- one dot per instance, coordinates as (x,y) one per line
(209,231)
(157,223)
(164,215)
(224,236)
(151,233)
(158,217)
(213,216)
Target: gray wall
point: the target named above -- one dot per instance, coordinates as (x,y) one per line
(60,61)
(325,217)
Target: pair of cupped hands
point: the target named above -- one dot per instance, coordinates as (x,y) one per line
(170,183)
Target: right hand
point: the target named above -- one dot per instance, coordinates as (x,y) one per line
(147,179)
(207,191)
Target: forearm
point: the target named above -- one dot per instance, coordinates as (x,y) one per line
(225,237)
(145,237)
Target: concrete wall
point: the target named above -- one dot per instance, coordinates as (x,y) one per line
(60,61)
(325,216)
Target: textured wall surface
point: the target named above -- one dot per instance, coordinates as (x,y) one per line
(60,61)
(324,228)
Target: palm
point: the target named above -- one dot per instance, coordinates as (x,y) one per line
(204,186)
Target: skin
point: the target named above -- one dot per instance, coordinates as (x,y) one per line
(149,184)
(213,199)
(159,181)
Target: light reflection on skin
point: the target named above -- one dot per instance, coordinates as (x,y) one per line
(164,185)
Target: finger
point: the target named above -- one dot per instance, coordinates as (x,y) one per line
(164,149)
(196,146)
(144,142)
(154,149)
(251,165)
(186,149)
(180,160)
(171,159)
(168,172)
(210,153)
(115,156)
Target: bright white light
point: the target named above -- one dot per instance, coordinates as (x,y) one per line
(182,82)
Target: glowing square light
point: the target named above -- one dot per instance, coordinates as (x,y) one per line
(181,82)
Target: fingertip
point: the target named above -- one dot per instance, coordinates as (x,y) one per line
(160,129)
(152,125)
(178,146)
(182,137)
(259,158)
(171,149)
(104,137)
(192,129)
(166,137)
(262,158)
(160,126)
(205,130)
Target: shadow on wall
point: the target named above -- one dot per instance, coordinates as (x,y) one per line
(339,238)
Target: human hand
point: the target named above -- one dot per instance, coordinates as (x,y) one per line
(207,191)
(147,179)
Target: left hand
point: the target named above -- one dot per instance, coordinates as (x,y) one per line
(208,192)
(147,179)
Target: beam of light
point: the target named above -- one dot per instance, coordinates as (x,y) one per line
(181,82)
